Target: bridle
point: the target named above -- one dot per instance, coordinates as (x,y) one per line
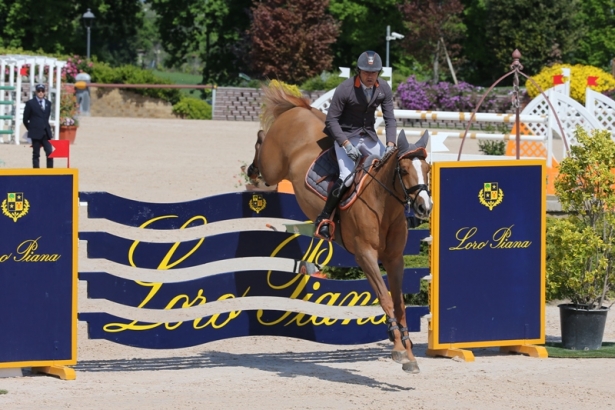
(416,189)
(408,198)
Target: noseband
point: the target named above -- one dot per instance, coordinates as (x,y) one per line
(416,190)
(408,199)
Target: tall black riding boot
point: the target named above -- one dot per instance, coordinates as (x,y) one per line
(322,222)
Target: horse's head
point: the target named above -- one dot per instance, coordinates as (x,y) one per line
(253,172)
(413,171)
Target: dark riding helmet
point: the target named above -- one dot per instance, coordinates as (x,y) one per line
(369,61)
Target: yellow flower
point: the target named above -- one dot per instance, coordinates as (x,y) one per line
(579,75)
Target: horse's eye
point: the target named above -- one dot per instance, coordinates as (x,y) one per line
(403,172)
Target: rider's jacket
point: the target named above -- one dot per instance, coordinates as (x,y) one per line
(350,113)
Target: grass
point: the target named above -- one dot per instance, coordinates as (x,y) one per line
(4,391)
(556,350)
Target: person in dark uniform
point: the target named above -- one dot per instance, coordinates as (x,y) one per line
(36,119)
(350,122)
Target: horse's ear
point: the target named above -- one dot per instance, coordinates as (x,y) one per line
(402,142)
(422,143)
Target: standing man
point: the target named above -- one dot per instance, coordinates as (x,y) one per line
(350,122)
(36,119)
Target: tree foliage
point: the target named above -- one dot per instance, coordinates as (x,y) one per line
(291,39)
(545,31)
(57,27)
(428,23)
(597,46)
(363,27)
(214,30)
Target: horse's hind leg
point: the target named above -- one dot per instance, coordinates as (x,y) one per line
(402,349)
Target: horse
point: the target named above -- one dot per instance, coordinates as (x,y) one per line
(374,227)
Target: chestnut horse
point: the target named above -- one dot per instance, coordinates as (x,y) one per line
(374,227)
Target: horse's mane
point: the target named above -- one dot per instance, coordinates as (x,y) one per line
(276,101)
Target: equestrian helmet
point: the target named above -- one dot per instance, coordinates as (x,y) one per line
(369,61)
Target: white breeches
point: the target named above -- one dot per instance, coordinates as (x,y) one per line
(364,145)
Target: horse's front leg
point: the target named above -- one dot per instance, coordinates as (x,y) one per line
(368,261)
(402,349)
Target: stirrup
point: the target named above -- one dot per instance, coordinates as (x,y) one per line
(331,226)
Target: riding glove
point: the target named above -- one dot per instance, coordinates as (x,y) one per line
(389,149)
(352,151)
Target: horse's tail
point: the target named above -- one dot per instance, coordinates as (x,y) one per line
(277,101)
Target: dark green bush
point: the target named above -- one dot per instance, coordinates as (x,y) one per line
(324,81)
(129,74)
(192,109)
(488,147)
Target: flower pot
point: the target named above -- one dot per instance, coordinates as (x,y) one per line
(582,329)
(68,132)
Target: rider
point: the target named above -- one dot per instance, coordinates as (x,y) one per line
(350,122)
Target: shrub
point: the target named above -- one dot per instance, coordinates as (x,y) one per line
(443,96)
(581,247)
(192,109)
(129,74)
(324,81)
(578,80)
(488,147)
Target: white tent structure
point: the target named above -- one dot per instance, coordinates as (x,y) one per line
(13,63)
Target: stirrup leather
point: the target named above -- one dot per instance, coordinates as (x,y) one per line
(331,225)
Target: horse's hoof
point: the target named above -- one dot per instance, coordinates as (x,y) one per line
(400,356)
(411,367)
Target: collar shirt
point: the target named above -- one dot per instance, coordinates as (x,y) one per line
(368,91)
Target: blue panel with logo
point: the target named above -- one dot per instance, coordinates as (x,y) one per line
(102,285)
(244,244)
(244,323)
(215,208)
(37,266)
(490,266)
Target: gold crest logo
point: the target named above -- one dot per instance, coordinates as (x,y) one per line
(15,206)
(490,196)
(257,203)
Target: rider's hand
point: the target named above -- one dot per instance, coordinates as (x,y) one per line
(352,151)
(389,149)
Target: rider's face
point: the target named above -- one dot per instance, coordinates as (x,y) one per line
(368,78)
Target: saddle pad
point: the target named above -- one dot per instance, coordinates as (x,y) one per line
(324,172)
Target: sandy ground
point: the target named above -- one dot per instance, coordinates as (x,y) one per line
(174,160)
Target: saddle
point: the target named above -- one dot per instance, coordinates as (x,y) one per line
(324,171)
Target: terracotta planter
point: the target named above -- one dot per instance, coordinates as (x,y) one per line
(68,132)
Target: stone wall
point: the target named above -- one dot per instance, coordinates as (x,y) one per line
(115,102)
(244,104)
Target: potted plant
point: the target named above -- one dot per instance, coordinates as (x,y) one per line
(581,247)
(69,109)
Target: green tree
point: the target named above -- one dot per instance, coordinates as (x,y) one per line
(57,27)
(363,27)
(291,39)
(597,46)
(214,31)
(545,31)
(34,25)
(432,26)
(115,30)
